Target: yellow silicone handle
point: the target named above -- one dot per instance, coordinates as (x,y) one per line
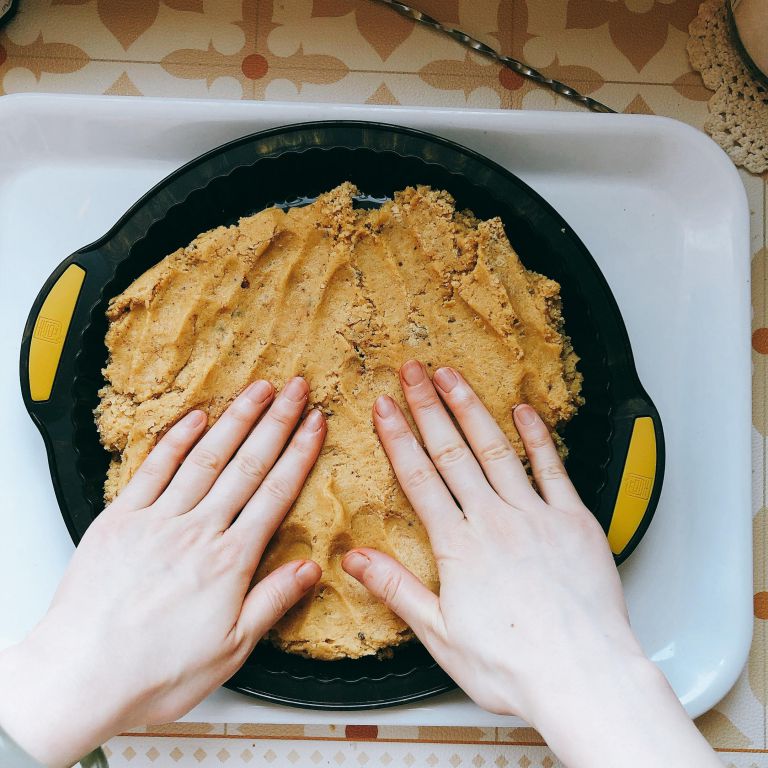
(50,331)
(636,485)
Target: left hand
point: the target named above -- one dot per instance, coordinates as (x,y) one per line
(156,608)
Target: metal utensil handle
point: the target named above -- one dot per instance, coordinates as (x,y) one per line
(516,66)
(95,759)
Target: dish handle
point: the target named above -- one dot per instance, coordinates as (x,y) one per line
(638,437)
(49,328)
(52,341)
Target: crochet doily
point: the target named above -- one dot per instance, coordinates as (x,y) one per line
(738,110)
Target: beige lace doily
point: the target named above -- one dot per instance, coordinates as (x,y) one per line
(738,110)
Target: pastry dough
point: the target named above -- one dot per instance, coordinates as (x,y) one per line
(341,295)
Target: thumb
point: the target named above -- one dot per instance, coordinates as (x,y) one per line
(269,600)
(399,590)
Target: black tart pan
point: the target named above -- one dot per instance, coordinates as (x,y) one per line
(616,441)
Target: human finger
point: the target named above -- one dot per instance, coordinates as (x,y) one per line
(399,589)
(211,454)
(416,474)
(489,444)
(157,470)
(445,445)
(267,602)
(549,473)
(256,456)
(270,503)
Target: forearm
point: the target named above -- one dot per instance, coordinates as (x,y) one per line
(47,706)
(622,715)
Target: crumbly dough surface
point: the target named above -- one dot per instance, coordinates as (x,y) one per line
(342,296)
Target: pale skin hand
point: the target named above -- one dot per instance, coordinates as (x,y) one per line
(531,618)
(156,608)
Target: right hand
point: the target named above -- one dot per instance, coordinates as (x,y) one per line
(531,618)
(524,577)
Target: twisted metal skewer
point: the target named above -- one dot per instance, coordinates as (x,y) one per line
(516,66)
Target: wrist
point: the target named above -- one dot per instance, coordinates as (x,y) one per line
(625,705)
(47,703)
(17,692)
(585,679)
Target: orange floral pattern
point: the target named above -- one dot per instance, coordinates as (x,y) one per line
(624,23)
(128,20)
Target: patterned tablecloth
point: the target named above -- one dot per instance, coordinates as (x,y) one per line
(630,54)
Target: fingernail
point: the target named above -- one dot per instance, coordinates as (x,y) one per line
(356,561)
(412,372)
(446,379)
(525,415)
(384,406)
(259,391)
(314,421)
(195,419)
(307,574)
(296,389)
